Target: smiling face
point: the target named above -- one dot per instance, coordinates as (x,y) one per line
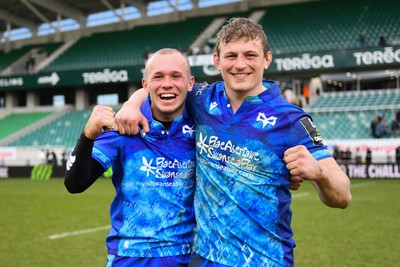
(167,78)
(242,54)
(242,63)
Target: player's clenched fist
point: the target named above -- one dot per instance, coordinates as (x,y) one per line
(301,163)
(102,117)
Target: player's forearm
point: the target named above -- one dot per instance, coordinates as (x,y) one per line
(137,98)
(333,187)
(81,169)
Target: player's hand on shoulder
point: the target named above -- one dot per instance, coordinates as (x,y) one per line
(102,117)
(128,120)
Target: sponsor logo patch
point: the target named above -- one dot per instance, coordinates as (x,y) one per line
(312,130)
(213,105)
(270,121)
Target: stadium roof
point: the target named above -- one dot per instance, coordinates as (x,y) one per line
(33,13)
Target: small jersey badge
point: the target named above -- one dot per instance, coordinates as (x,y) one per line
(312,130)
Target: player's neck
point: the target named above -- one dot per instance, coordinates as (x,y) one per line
(236,98)
(166,124)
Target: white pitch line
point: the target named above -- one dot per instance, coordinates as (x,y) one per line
(303,194)
(91,230)
(362,184)
(79,232)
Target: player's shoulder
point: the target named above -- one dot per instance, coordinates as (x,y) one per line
(111,136)
(201,88)
(280,104)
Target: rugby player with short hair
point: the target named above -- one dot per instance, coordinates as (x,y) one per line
(152,214)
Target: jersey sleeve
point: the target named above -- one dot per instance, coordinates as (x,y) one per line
(306,133)
(81,169)
(106,148)
(193,96)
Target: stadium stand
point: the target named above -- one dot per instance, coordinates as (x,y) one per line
(313,26)
(292,28)
(370,99)
(348,124)
(14,62)
(16,122)
(62,131)
(329,25)
(348,115)
(7,58)
(126,48)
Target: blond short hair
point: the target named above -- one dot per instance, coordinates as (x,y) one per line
(167,51)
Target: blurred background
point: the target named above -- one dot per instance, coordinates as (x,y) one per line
(337,59)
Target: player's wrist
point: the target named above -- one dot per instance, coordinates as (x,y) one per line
(87,135)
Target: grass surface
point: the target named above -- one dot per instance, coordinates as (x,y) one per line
(367,234)
(31,211)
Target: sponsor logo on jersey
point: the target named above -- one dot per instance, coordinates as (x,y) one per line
(199,89)
(213,105)
(163,168)
(188,129)
(270,121)
(312,130)
(225,151)
(147,166)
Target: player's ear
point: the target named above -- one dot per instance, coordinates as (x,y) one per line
(216,61)
(191,83)
(268,59)
(144,84)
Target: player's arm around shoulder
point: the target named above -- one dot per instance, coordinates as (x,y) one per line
(129,118)
(331,183)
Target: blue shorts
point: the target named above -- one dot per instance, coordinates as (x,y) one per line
(171,261)
(198,261)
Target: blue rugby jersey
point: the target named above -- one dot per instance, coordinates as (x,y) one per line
(152,214)
(242,199)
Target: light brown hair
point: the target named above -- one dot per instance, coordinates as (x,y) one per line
(241,28)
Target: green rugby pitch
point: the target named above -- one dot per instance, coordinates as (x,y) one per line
(43,225)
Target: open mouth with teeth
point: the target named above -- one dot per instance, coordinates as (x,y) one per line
(240,75)
(168,96)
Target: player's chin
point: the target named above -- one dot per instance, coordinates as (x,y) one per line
(171,109)
(240,82)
